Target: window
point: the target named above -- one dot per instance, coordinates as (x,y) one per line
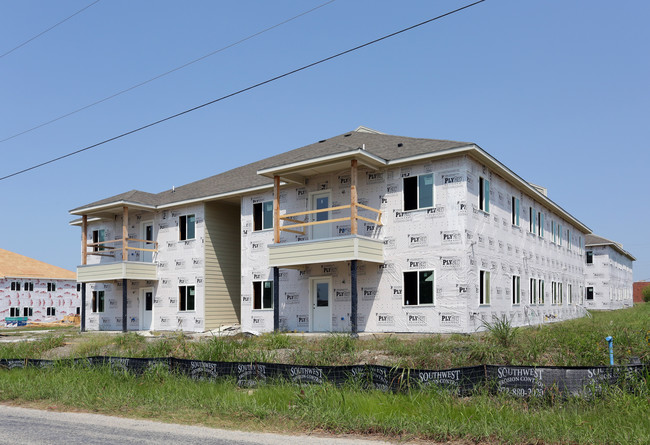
(533,291)
(28,286)
(51,311)
(186,298)
(516,290)
(98,237)
(540,224)
(553,231)
(515,211)
(559,234)
(568,239)
(262,294)
(569,293)
(15,285)
(484,287)
(559,294)
(14,312)
(418,287)
(590,257)
(78,287)
(51,287)
(590,293)
(418,192)
(28,311)
(541,292)
(263,215)
(187,225)
(98,301)
(553,293)
(484,195)
(532,216)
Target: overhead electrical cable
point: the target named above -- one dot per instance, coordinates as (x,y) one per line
(166,72)
(48,29)
(273,79)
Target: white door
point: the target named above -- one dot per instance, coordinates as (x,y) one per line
(146,309)
(321,200)
(321,302)
(147,234)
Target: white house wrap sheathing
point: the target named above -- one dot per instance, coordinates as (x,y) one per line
(610,276)
(64,299)
(454,239)
(179,263)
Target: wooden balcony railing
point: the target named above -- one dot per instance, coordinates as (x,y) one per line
(99,248)
(297,223)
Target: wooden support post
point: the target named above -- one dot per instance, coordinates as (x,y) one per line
(83,307)
(125,233)
(276,299)
(84,238)
(276,209)
(353,299)
(353,197)
(125,284)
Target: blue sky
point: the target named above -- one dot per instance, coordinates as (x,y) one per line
(558,91)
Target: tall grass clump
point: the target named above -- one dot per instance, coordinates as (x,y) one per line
(501,331)
(30,349)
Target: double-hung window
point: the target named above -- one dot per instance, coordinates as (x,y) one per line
(559,234)
(532,216)
(533,291)
(484,194)
(28,311)
(98,301)
(569,292)
(14,312)
(28,286)
(516,290)
(590,256)
(418,192)
(515,211)
(263,215)
(51,311)
(418,288)
(186,300)
(51,287)
(15,285)
(262,294)
(568,239)
(484,288)
(560,294)
(540,224)
(541,292)
(187,226)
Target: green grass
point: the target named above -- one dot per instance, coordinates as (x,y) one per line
(30,349)
(615,417)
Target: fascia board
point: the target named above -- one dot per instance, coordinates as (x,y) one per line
(372,160)
(218,196)
(614,246)
(130,204)
(77,222)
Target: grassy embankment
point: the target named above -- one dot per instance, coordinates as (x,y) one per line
(614,417)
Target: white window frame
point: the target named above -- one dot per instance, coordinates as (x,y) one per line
(532,298)
(186,295)
(183,235)
(484,288)
(418,296)
(484,194)
(417,193)
(50,311)
(541,301)
(262,287)
(516,290)
(96,297)
(264,221)
(29,310)
(14,311)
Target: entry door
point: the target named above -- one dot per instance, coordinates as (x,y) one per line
(147,234)
(146,309)
(321,200)
(321,302)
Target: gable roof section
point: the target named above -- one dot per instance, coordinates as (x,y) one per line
(592,240)
(387,149)
(13,265)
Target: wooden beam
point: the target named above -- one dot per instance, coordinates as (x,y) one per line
(84,238)
(313,223)
(284,229)
(125,233)
(276,209)
(310,212)
(353,197)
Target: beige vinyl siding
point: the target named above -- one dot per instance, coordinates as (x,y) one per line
(131,270)
(222,265)
(323,251)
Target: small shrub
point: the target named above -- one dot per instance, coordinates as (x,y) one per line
(501,331)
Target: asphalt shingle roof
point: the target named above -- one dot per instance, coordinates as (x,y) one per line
(245,177)
(13,265)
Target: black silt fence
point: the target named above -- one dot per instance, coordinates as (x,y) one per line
(518,381)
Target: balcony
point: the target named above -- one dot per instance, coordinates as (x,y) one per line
(322,246)
(119,269)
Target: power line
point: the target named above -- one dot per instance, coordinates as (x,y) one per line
(273,79)
(48,29)
(166,72)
